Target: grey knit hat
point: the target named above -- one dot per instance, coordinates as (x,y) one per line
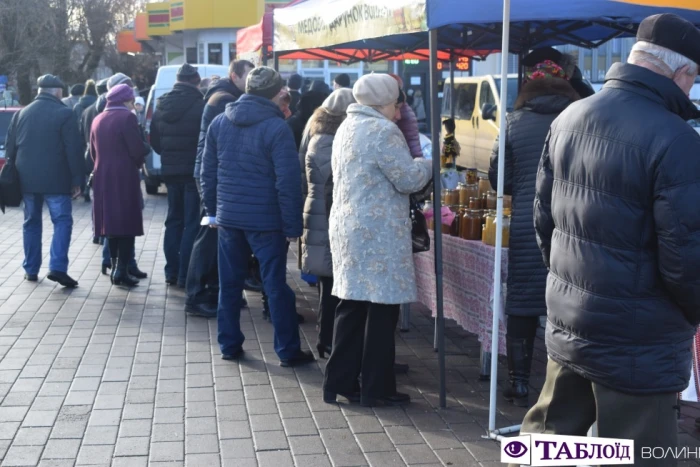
(119,78)
(264,82)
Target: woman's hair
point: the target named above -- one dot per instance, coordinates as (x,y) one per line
(402,97)
(90,88)
(449,125)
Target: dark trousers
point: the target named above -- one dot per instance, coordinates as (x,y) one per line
(270,248)
(522,327)
(569,404)
(327,304)
(181,227)
(122,248)
(363,346)
(203,275)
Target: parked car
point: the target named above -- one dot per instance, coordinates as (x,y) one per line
(6,114)
(165,80)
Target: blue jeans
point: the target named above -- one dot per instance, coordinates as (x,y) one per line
(107,259)
(181,227)
(270,248)
(61,211)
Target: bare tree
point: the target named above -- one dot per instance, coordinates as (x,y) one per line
(65,37)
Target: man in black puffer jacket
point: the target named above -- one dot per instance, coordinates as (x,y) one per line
(618,224)
(202,276)
(174,135)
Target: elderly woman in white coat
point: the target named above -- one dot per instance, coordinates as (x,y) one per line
(316,256)
(370,237)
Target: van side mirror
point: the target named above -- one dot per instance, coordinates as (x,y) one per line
(488,112)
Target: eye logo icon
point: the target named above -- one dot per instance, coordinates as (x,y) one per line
(515,449)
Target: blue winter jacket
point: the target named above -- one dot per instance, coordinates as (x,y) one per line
(251,178)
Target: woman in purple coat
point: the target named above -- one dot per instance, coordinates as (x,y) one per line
(118,149)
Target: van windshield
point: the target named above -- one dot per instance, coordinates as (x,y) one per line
(512,92)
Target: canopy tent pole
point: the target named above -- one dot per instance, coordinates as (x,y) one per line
(276,56)
(437,189)
(499,220)
(452,86)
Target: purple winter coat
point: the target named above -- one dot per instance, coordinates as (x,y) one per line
(409,127)
(119,151)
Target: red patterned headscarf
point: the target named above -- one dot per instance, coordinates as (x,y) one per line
(545,69)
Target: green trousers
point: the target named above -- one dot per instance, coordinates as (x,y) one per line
(569,404)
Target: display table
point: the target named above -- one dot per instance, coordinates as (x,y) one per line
(467,268)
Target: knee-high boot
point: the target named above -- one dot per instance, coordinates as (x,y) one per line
(519,364)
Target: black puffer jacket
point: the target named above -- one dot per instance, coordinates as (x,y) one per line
(618,223)
(538,104)
(175,131)
(86,120)
(218,96)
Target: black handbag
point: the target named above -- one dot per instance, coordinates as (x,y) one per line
(10,191)
(419,228)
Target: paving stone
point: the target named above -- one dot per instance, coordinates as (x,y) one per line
(8,430)
(303,445)
(270,440)
(96,455)
(208,460)
(167,451)
(233,449)
(13,414)
(385,459)
(342,448)
(404,435)
(232,430)
(374,442)
(101,435)
(39,418)
(168,432)
(201,444)
(105,417)
(326,420)
(275,459)
(61,449)
(31,436)
(365,424)
(130,462)
(137,446)
(134,428)
(22,456)
(201,426)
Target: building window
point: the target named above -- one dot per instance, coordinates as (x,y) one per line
(215,54)
(191,55)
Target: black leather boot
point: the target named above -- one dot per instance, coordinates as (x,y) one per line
(112,270)
(519,363)
(121,275)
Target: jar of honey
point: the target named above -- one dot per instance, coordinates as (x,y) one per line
(491,200)
(471,176)
(507,202)
(470,226)
(474,203)
(452,198)
(484,185)
(489,232)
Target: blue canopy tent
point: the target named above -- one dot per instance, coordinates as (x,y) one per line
(463,27)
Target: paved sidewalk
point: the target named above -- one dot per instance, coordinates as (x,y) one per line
(101,376)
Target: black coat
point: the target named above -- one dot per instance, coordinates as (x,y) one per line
(218,96)
(538,104)
(617,219)
(86,120)
(83,104)
(44,142)
(175,131)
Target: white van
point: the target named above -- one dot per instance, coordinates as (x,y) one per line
(165,80)
(477,113)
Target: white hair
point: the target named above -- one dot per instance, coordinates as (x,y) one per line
(660,57)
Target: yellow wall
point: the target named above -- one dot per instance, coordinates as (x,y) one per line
(207,14)
(158,9)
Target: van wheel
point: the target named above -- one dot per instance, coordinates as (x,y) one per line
(152,189)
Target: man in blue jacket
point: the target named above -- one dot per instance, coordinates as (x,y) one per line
(44,144)
(251,184)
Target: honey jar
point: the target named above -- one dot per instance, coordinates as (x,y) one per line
(484,185)
(471,176)
(470,227)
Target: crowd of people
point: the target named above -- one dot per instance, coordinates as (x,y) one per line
(256,165)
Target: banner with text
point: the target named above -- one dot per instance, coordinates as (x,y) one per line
(325,23)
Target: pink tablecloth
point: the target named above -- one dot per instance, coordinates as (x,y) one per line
(467,285)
